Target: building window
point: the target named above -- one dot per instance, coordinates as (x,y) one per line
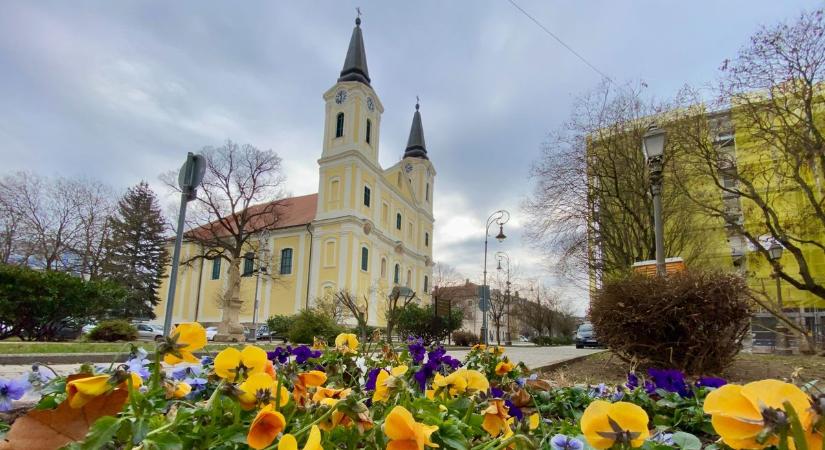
(398,221)
(383,267)
(426,239)
(369,130)
(334,192)
(329,253)
(365,258)
(286,261)
(409,277)
(367,196)
(339,125)
(248,264)
(385,214)
(216,269)
(427,192)
(426,283)
(396,275)
(409,231)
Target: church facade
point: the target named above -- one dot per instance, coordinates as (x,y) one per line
(366,230)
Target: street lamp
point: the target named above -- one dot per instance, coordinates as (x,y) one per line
(775,254)
(263,267)
(499,217)
(653,146)
(499,257)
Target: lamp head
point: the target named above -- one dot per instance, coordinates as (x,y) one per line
(499,265)
(653,142)
(501,235)
(775,251)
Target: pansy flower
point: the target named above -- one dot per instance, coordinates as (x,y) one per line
(305,380)
(607,424)
(303,353)
(385,382)
(81,391)
(266,426)
(288,441)
(346,343)
(495,418)
(183,341)
(562,442)
(372,376)
(710,382)
(503,368)
(260,389)
(230,362)
(405,433)
(12,390)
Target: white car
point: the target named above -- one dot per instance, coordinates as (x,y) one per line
(211,332)
(149,331)
(88,327)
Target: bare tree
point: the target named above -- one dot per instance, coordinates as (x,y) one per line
(591,210)
(359,310)
(398,299)
(238,201)
(96,206)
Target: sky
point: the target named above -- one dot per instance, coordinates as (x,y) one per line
(120,91)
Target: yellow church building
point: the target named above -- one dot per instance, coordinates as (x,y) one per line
(367,230)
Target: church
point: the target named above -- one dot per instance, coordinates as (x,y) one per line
(366,231)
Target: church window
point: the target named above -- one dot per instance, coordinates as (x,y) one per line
(398,179)
(426,239)
(339,125)
(427,193)
(369,130)
(396,275)
(248,264)
(426,283)
(365,258)
(383,267)
(398,221)
(286,261)
(409,230)
(216,269)
(409,277)
(367,196)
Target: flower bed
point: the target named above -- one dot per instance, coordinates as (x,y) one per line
(354,396)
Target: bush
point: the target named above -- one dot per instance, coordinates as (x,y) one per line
(48,305)
(692,321)
(552,341)
(279,325)
(309,324)
(113,330)
(465,338)
(417,322)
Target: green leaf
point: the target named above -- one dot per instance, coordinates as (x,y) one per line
(686,441)
(163,441)
(101,433)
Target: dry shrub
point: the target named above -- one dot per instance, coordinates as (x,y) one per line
(692,321)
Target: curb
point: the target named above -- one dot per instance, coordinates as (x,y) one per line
(68,358)
(558,364)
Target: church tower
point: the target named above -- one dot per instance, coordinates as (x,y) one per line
(417,165)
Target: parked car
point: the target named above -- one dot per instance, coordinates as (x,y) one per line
(88,327)
(149,331)
(585,336)
(211,332)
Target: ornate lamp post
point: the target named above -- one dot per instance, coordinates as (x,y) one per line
(499,218)
(653,146)
(506,257)
(775,254)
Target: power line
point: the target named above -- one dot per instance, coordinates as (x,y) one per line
(558,39)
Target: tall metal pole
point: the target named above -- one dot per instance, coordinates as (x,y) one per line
(255,310)
(173,275)
(658,224)
(484,287)
(499,217)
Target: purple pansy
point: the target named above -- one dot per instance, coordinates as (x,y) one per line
(562,442)
(372,375)
(496,392)
(669,380)
(417,351)
(12,390)
(710,382)
(632,380)
(304,352)
(514,410)
(280,354)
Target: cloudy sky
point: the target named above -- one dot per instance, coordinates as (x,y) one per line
(120,91)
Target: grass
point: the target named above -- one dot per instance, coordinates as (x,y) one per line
(607,368)
(18,347)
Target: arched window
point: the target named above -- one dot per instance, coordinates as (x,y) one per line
(369,130)
(427,192)
(426,284)
(248,264)
(365,258)
(396,275)
(216,269)
(286,261)
(398,221)
(367,196)
(383,267)
(426,239)
(409,277)
(339,125)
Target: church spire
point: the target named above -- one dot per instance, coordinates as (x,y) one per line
(355,65)
(416,148)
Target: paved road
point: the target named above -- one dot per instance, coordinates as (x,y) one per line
(534,357)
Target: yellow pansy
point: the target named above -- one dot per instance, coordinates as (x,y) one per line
(533,421)
(405,433)
(497,350)
(288,441)
(481,347)
(259,389)
(230,362)
(322,393)
(185,338)
(476,381)
(318,344)
(495,418)
(386,381)
(606,424)
(740,413)
(334,419)
(313,378)
(346,342)
(503,368)
(83,390)
(181,389)
(266,426)
(453,383)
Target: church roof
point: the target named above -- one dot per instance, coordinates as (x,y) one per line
(355,65)
(416,148)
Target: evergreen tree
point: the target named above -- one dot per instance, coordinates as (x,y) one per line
(137,255)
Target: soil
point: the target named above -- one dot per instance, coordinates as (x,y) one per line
(607,368)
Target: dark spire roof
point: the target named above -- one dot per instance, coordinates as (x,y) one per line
(416,148)
(355,66)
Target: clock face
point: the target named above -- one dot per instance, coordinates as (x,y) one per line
(370,104)
(408,168)
(340,96)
